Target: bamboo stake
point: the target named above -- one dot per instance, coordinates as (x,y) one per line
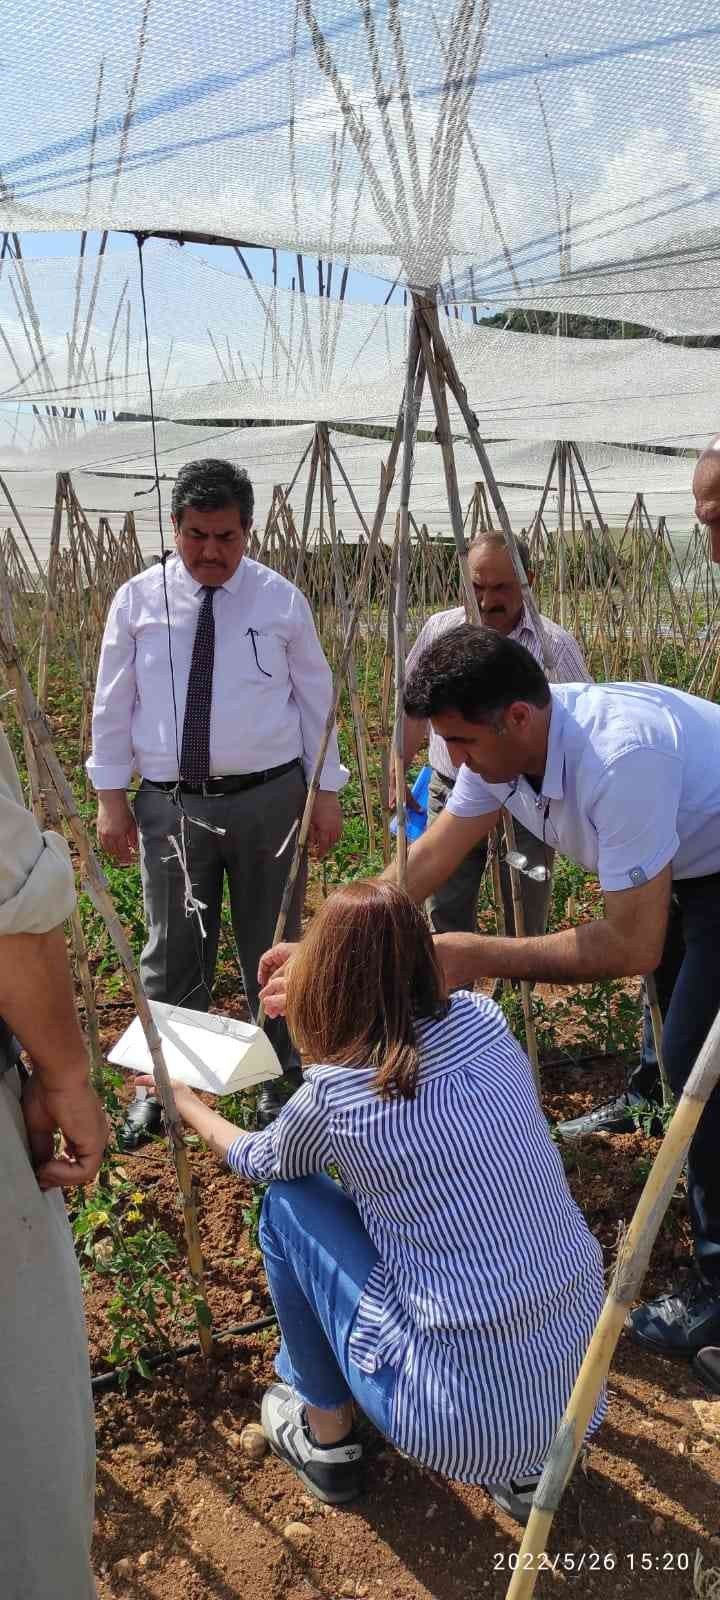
(630,1269)
(415,371)
(355,706)
(438,359)
(22,528)
(525,989)
(49,611)
(387,474)
(307,513)
(95,884)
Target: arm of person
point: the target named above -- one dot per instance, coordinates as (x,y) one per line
(295,1145)
(110,766)
(633,810)
(433,858)
(312,687)
(626,942)
(37,1003)
(37,892)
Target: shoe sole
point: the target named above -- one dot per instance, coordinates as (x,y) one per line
(339,1497)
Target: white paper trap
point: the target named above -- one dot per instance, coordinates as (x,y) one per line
(215,1053)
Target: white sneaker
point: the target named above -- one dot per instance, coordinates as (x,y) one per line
(515,1498)
(332,1474)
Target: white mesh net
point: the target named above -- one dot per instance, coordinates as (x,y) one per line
(225,349)
(112,468)
(436,139)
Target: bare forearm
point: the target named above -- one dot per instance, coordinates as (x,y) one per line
(216,1131)
(574,955)
(37,1003)
(435,856)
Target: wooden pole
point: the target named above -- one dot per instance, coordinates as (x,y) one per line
(525,989)
(630,1269)
(49,611)
(355,706)
(414,382)
(439,365)
(387,474)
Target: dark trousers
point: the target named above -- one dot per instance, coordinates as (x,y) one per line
(453,907)
(688,985)
(177,964)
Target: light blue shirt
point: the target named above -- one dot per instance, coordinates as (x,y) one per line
(631,783)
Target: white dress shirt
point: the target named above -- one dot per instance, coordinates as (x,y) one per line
(631,783)
(567,664)
(272,687)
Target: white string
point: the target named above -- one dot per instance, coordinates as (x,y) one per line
(285,843)
(193,907)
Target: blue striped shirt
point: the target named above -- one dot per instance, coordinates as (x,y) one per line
(489,1282)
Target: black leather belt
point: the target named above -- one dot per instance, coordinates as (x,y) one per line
(230,783)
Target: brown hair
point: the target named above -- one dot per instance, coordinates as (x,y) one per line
(363,975)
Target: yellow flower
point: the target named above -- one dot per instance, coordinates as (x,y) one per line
(133,1215)
(137,1197)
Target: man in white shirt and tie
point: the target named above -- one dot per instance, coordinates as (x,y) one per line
(213,688)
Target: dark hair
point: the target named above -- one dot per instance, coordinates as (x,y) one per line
(499,542)
(364,974)
(208,485)
(477,672)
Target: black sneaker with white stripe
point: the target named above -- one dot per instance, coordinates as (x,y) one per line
(331,1473)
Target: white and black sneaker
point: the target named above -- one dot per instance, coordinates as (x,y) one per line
(330,1472)
(515,1498)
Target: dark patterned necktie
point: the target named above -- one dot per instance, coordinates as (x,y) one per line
(195,754)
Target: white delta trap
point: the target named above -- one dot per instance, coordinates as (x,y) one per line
(211,1052)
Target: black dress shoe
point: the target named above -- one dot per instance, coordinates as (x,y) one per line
(681,1323)
(615,1116)
(142,1123)
(275,1095)
(706,1367)
(268,1106)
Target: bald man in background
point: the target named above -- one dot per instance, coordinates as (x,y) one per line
(706,489)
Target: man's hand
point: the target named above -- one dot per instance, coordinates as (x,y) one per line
(327,823)
(74,1111)
(273,976)
(116,826)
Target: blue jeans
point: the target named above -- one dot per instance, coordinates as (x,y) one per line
(688,986)
(318,1258)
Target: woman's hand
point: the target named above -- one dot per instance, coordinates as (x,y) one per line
(272,977)
(184,1096)
(217,1132)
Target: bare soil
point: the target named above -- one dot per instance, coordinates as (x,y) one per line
(183,1511)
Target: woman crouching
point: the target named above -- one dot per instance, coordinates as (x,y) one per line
(448,1284)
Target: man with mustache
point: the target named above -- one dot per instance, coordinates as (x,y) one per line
(453,906)
(212,686)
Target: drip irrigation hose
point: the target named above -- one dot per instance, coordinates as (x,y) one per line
(104,1381)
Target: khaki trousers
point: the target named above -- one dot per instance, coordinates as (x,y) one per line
(47,1444)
